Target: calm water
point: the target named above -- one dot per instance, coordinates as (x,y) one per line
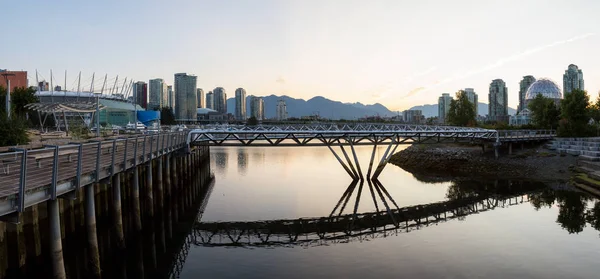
(502,229)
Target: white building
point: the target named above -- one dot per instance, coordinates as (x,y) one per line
(473,98)
(240,104)
(257,108)
(210,100)
(185,97)
(444,108)
(281,110)
(572,79)
(220,100)
(200,97)
(159,94)
(498,98)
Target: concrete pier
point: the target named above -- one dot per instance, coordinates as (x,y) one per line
(117,211)
(56,253)
(92,237)
(97,231)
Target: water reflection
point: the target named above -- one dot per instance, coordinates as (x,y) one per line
(345,223)
(242,161)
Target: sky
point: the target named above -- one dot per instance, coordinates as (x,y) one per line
(397,53)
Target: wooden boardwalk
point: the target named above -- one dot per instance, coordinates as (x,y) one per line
(54,171)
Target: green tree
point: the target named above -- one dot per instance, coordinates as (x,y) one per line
(20,97)
(575,115)
(594,109)
(13,130)
(544,113)
(252,121)
(462,111)
(166,116)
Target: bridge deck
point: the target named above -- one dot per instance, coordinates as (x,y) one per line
(95,164)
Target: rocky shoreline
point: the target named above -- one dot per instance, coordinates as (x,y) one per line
(467,161)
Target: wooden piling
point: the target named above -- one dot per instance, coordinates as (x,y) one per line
(149,199)
(56,253)
(117,211)
(135,199)
(92,237)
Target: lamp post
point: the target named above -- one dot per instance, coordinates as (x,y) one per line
(6,75)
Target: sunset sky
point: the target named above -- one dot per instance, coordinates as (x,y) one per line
(398,53)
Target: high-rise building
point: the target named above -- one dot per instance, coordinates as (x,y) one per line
(42,86)
(140,94)
(210,100)
(473,98)
(444,107)
(220,100)
(159,94)
(413,116)
(498,98)
(171,98)
(281,111)
(200,95)
(257,108)
(523,86)
(572,79)
(185,96)
(240,104)
(16,78)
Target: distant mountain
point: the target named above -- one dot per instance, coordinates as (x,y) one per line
(318,105)
(432,110)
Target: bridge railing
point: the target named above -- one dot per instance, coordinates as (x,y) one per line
(525,134)
(56,170)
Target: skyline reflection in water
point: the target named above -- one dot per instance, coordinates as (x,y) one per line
(547,234)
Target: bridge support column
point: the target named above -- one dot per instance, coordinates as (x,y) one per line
(510,149)
(117,211)
(371,161)
(56,253)
(348,160)
(356,159)
(92,237)
(384,159)
(342,163)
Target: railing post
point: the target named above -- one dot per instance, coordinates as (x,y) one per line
(144,150)
(22,180)
(135,159)
(125,155)
(151,147)
(54,171)
(98,153)
(112,159)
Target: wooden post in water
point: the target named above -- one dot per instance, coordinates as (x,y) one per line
(135,198)
(56,254)
(117,211)
(149,200)
(92,237)
(175,189)
(510,149)
(167,195)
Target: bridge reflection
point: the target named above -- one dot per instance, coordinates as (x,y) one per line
(464,198)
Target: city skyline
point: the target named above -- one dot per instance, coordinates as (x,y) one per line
(408,56)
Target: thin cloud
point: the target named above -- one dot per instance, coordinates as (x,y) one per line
(500,62)
(280,80)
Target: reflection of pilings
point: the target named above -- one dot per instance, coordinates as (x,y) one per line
(387,207)
(117,211)
(322,231)
(90,219)
(56,253)
(346,193)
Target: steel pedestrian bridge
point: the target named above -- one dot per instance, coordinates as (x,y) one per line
(345,134)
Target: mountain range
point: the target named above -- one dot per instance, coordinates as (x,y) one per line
(317,105)
(336,110)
